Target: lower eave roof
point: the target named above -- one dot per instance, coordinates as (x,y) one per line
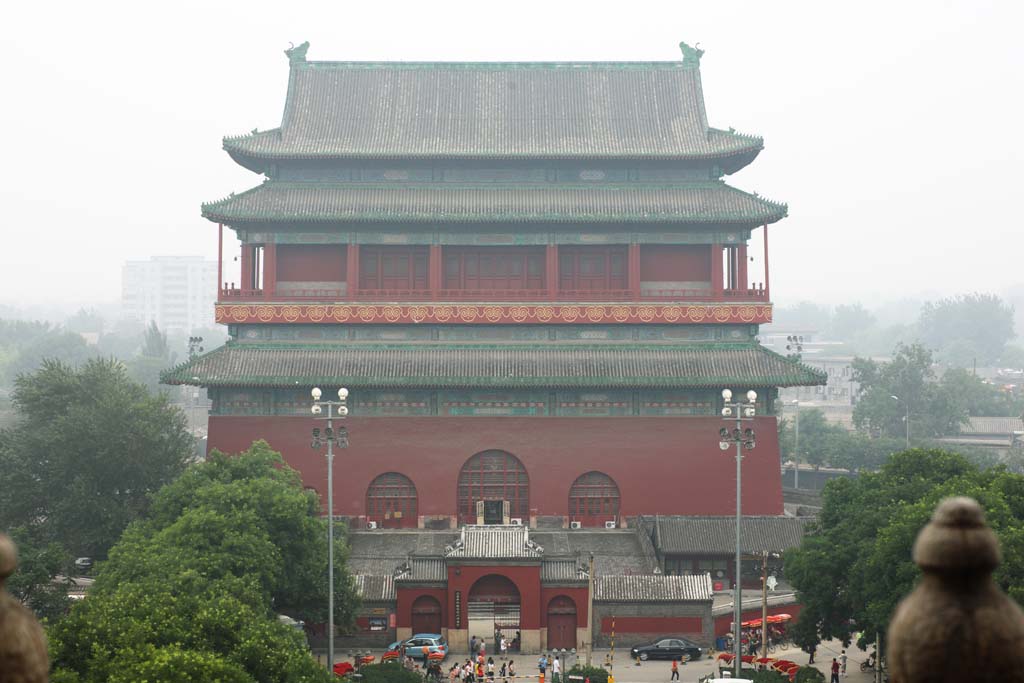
(700,203)
(433,365)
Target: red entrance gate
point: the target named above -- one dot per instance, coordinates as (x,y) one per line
(561,623)
(426,615)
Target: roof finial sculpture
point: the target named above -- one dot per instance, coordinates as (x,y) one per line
(22,643)
(691,56)
(957,625)
(297,54)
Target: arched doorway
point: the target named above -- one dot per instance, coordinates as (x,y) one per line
(391,501)
(594,499)
(493,485)
(493,609)
(426,615)
(561,623)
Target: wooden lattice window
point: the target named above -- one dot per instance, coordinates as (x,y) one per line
(391,497)
(493,475)
(594,498)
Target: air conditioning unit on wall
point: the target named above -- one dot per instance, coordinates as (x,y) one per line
(371,525)
(516,521)
(609,525)
(575,525)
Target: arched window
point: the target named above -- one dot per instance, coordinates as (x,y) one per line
(493,476)
(391,501)
(594,499)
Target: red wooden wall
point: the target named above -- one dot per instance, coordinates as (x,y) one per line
(310,263)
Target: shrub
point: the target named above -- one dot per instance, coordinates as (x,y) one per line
(768,677)
(388,673)
(596,674)
(808,674)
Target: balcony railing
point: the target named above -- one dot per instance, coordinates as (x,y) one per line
(753,294)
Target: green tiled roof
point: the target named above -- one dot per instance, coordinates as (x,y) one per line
(702,202)
(579,110)
(436,365)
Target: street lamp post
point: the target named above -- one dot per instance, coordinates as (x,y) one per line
(743,438)
(906,418)
(335,409)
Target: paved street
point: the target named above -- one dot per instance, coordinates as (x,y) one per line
(658,671)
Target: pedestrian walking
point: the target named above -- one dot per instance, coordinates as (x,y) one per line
(511,671)
(835,671)
(472,646)
(542,665)
(504,672)
(675,670)
(556,670)
(490,669)
(842,663)
(504,647)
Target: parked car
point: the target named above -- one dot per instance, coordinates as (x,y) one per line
(668,648)
(414,647)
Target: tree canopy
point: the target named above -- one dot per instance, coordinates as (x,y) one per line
(88,450)
(195,586)
(855,564)
(967,329)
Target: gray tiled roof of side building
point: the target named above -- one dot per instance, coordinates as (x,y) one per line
(494,542)
(704,202)
(615,551)
(495,110)
(423,570)
(375,587)
(717,535)
(653,588)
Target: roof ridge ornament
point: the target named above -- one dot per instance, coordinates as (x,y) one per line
(691,55)
(297,53)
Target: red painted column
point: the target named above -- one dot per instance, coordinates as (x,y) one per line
(245,275)
(741,262)
(220,260)
(551,271)
(352,270)
(717,254)
(633,270)
(269,270)
(434,265)
(767,294)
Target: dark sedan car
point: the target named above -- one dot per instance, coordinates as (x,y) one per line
(668,648)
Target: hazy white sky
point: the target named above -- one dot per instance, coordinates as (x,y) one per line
(891,128)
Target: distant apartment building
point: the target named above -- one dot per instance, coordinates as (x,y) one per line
(175,292)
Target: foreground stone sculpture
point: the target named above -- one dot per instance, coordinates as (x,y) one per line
(957,625)
(22,642)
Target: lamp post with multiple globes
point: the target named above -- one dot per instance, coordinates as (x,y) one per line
(335,409)
(744,439)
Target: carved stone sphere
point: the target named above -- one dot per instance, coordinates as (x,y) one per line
(22,642)
(957,625)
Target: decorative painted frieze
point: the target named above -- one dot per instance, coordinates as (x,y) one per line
(680,314)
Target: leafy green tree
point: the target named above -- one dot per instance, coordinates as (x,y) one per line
(58,345)
(905,388)
(196,583)
(978,397)
(967,328)
(85,321)
(34,583)
(89,449)
(854,566)
(850,321)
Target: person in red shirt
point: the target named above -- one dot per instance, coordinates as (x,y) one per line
(835,671)
(675,670)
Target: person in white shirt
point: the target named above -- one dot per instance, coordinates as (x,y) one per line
(556,670)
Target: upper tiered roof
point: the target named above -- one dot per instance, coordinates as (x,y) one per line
(495,110)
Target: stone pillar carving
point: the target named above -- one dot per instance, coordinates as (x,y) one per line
(957,625)
(22,642)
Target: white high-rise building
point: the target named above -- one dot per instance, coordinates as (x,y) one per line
(176,292)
